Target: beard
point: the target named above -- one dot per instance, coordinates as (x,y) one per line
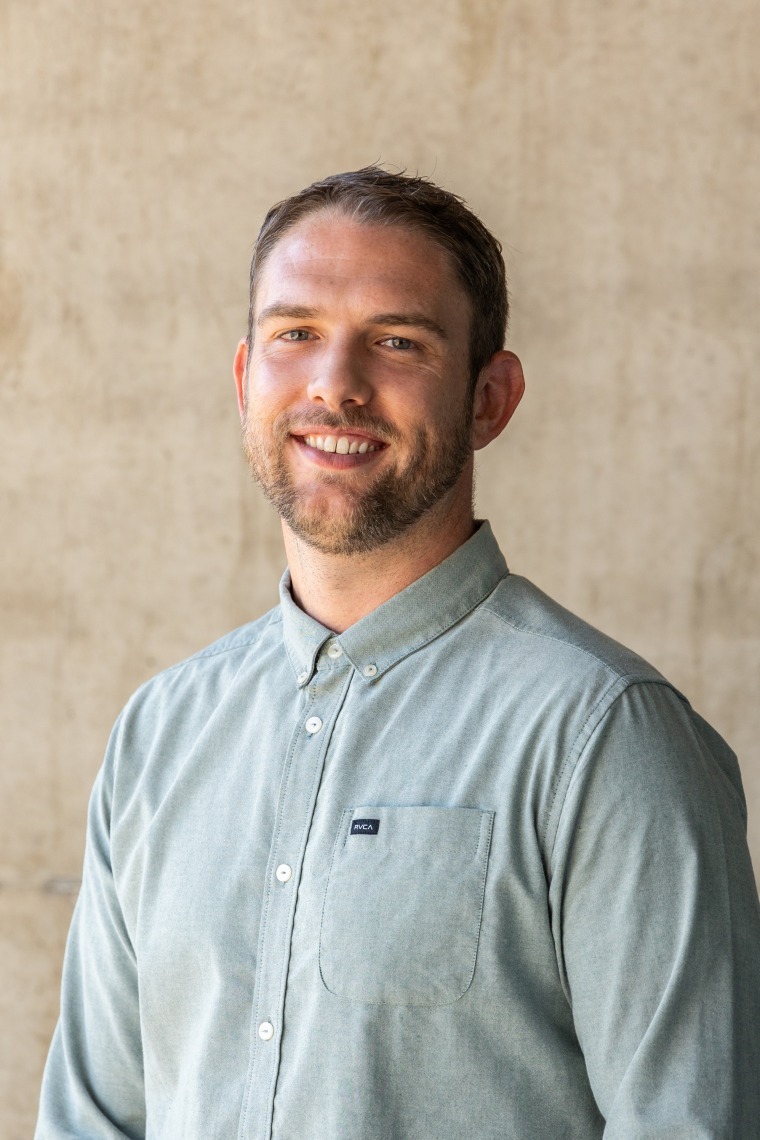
(373,511)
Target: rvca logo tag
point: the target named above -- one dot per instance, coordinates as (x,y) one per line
(365,826)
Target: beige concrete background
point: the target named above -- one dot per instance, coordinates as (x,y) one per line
(613,146)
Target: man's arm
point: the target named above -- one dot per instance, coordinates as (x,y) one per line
(657,924)
(93,1083)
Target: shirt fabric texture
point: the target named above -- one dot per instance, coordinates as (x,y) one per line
(468,869)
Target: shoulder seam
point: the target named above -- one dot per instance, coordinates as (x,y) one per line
(208,653)
(560,641)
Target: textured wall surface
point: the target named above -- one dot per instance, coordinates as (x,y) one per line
(614,148)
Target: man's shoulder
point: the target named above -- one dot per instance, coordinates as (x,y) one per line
(243,639)
(213,665)
(545,630)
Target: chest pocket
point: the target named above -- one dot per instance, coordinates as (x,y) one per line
(403,904)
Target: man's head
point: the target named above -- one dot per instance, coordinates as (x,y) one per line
(378,197)
(370,372)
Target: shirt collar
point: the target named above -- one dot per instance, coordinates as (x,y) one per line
(408,620)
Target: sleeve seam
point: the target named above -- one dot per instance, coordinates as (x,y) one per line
(601,709)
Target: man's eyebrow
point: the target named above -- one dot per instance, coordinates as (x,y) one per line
(411,320)
(279,310)
(290,312)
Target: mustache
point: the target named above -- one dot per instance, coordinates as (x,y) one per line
(353,419)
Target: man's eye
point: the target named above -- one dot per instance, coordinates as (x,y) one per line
(400,342)
(294,335)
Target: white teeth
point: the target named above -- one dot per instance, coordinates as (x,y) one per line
(339,445)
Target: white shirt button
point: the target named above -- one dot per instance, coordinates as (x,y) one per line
(283,872)
(266,1031)
(334,650)
(369,670)
(313,724)
(303,678)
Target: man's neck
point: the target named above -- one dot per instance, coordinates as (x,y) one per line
(339,590)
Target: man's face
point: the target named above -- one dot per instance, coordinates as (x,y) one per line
(357,410)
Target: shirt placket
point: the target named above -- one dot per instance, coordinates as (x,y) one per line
(309,743)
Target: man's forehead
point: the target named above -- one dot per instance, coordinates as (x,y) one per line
(330,250)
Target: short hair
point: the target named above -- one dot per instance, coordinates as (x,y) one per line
(379,197)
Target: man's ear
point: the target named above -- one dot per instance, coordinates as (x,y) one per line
(239,371)
(498,391)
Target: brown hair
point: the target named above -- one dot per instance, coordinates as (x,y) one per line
(378,197)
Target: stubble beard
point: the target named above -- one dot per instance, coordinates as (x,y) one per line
(375,511)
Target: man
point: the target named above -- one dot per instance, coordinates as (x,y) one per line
(418,854)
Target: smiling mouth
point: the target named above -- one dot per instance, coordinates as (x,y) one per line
(341,444)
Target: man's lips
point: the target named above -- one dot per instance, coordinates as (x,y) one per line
(338,448)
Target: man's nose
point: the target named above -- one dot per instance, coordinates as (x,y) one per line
(340,378)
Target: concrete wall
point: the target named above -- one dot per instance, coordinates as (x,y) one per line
(614,148)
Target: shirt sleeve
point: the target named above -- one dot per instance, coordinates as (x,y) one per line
(657,924)
(93,1084)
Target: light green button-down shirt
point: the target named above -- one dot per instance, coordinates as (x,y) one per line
(469,869)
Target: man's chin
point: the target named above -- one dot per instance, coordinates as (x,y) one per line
(330,532)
